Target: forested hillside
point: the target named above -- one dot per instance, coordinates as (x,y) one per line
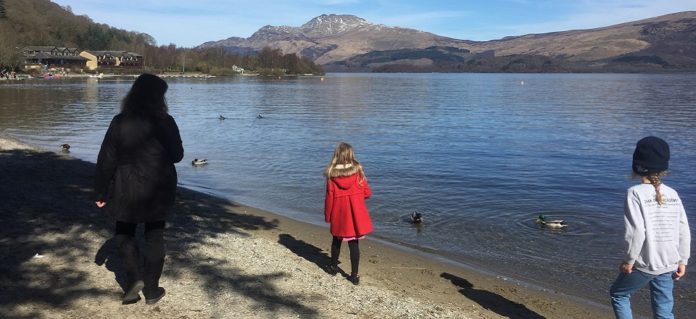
(41,22)
(44,23)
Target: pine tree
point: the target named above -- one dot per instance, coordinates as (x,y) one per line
(2,9)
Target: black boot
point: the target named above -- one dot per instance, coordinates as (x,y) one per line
(354,248)
(354,278)
(128,252)
(154,263)
(153,295)
(132,294)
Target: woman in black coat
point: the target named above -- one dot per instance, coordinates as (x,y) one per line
(136,181)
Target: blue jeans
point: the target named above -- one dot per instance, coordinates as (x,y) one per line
(660,293)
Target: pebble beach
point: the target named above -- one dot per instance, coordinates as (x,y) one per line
(224,260)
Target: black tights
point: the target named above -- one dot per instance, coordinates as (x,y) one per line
(354,253)
(153,254)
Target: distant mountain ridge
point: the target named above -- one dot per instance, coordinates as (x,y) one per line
(350,43)
(332,37)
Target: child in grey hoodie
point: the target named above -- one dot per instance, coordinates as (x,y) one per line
(657,234)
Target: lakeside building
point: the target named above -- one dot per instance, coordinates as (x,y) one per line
(47,57)
(67,59)
(112,59)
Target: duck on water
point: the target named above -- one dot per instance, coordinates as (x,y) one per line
(555,223)
(199,162)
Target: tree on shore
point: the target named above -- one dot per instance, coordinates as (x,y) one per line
(274,62)
(218,61)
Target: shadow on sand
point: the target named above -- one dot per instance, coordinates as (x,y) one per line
(308,251)
(47,208)
(492,301)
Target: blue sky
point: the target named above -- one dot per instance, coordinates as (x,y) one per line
(189,23)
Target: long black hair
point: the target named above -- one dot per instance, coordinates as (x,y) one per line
(146,96)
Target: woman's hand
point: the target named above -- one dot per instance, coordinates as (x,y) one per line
(681,271)
(626,268)
(100,203)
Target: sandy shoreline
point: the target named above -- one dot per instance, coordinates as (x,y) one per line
(225,260)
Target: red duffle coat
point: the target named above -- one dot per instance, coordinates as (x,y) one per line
(344,206)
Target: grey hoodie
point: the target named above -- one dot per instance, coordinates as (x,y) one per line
(657,237)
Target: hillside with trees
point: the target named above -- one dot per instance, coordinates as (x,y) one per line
(44,23)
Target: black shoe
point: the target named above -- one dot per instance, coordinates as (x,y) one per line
(131,301)
(332,270)
(132,295)
(152,297)
(355,279)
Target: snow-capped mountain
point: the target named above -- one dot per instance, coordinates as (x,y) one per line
(333,37)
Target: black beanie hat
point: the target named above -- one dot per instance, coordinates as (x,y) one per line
(651,156)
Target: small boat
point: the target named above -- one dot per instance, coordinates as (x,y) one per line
(199,162)
(556,223)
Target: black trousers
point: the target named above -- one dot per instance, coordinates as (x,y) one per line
(153,254)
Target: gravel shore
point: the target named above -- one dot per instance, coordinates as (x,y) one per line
(224,260)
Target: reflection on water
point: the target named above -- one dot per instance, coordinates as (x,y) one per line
(480,155)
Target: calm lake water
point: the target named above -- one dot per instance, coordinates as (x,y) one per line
(479,155)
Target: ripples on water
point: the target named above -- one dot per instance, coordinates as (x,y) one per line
(480,155)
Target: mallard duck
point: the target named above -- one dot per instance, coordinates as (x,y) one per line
(65,148)
(416,218)
(557,223)
(199,161)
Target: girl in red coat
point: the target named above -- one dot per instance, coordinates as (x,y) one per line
(344,206)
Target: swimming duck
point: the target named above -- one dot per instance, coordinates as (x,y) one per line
(259,116)
(416,218)
(221,117)
(199,161)
(558,223)
(65,148)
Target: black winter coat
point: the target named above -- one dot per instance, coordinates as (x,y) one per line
(135,167)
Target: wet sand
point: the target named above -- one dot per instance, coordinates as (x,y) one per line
(225,260)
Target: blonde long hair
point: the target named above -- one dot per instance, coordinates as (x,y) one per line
(656,181)
(343,155)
